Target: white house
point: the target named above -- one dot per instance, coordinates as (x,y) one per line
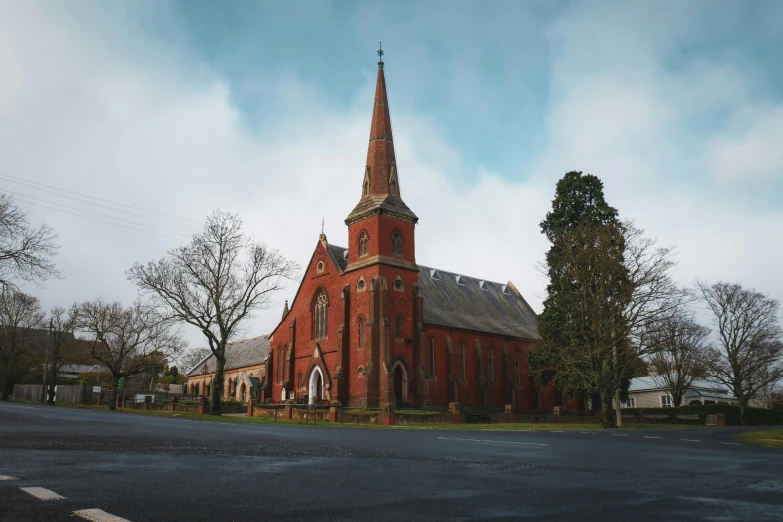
(649,392)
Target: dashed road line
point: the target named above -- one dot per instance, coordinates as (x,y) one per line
(619,434)
(98,515)
(648,437)
(731,443)
(495,441)
(42,493)
(558,431)
(691,440)
(6,477)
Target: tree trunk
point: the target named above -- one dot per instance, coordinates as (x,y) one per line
(113,400)
(743,407)
(607,420)
(217,386)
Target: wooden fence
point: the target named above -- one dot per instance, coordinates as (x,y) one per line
(73,394)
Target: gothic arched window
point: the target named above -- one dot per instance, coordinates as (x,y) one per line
(320,316)
(432,357)
(396,244)
(491,365)
(363,240)
(516,363)
(299,380)
(361,332)
(279,364)
(462,360)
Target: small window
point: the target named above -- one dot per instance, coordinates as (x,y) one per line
(434,275)
(432,357)
(460,281)
(396,244)
(483,285)
(363,241)
(398,284)
(666,401)
(361,332)
(630,403)
(320,267)
(398,328)
(491,365)
(299,380)
(462,360)
(506,290)
(360,285)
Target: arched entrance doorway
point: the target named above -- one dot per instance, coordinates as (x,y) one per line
(242,392)
(315,390)
(400,383)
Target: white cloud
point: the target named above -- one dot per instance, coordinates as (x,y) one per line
(160,131)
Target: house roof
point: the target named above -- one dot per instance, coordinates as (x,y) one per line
(457,301)
(700,386)
(239,354)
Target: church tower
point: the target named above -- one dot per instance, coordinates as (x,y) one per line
(381,265)
(381,226)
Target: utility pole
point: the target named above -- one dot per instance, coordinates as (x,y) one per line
(46,361)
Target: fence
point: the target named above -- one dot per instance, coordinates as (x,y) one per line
(73,394)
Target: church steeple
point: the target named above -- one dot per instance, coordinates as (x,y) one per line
(381,170)
(381,184)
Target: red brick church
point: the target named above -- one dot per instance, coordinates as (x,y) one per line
(369,326)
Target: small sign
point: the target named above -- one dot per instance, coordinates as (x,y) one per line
(292,395)
(120,383)
(96,389)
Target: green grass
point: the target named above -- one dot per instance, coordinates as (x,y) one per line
(448,427)
(762,437)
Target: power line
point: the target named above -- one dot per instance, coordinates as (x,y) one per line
(10,178)
(95,204)
(95,213)
(102,221)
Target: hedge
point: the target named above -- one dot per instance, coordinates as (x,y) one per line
(756,416)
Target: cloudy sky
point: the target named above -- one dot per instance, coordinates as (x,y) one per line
(155,113)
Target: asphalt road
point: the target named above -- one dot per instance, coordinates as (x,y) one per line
(145,468)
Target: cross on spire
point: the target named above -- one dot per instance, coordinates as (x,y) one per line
(380,52)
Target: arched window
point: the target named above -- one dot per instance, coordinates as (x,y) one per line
(398,328)
(396,244)
(491,365)
(516,363)
(299,380)
(462,360)
(361,332)
(363,240)
(228,390)
(279,364)
(320,316)
(432,357)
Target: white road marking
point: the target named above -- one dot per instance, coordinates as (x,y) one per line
(6,477)
(731,443)
(691,440)
(619,434)
(496,441)
(558,431)
(98,515)
(42,493)
(648,437)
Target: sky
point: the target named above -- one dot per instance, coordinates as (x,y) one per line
(153,114)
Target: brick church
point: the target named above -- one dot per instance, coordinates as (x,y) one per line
(369,326)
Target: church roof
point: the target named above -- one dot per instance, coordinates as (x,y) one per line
(457,301)
(239,354)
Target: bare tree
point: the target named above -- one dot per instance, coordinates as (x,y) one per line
(214,283)
(61,347)
(25,251)
(192,357)
(21,318)
(677,352)
(749,353)
(128,341)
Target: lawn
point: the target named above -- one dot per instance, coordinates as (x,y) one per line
(762,437)
(450,427)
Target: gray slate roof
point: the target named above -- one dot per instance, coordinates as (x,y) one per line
(468,306)
(239,354)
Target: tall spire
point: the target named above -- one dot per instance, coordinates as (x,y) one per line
(381,170)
